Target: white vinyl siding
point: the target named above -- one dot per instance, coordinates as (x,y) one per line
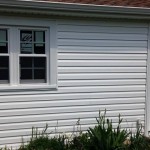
(100,65)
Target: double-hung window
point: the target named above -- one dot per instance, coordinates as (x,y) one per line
(33,56)
(26,58)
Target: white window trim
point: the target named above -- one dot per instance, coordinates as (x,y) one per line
(20,23)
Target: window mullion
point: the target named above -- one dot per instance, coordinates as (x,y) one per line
(14,61)
(32,68)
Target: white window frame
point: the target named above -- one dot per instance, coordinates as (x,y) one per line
(14,25)
(5,54)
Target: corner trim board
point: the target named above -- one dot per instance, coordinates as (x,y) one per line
(147,110)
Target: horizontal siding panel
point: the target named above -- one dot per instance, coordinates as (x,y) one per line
(13,142)
(73,109)
(60,130)
(66,90)
(7,108)
(101,50)
(101,29)
(71,83)
(102,63)
(101,69)
(101,36)
(102,88)
(73,96)
(17,141)
(83,56)
(71,122)
(95,76)
(67,116)
(96,43)
(27,132)
(14,146)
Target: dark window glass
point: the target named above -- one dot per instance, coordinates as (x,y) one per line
(26,62)
(3,41)
(39,74)
(26,74)
(4,74)
(4,63)
(4,68)
(3,48)
(39,48)
(40,62)
(33,68)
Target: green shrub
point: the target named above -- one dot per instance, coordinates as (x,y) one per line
(44,143)
(104,137)
(41,141)
(81,142)
(138,141)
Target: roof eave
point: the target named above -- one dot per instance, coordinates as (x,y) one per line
(70,9)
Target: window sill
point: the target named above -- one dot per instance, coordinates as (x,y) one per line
(27,87)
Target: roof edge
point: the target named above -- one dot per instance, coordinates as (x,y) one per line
(72,9)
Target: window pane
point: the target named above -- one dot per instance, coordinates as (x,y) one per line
(26,62)
(4,74)
(39,48)
(39,74)
(26,48)
(3,48)
(39,36)
(40,62)
(4,68)
(26,42)
(4,63)
(33,68)
(26,74)
(26,36)
(3,35)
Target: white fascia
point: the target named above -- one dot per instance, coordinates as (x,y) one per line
(72,9)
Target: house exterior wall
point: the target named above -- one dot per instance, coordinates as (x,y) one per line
(101,64)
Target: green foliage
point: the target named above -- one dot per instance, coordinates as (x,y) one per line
(41,141)
(44,143)
(104,137)
(138,141)
(81,142)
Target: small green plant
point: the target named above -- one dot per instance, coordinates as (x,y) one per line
(104,137)
(81,142)
(138,141)
(41,141)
